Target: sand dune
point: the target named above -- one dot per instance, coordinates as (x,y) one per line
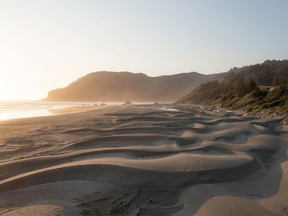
(144,160)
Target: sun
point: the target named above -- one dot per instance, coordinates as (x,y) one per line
(7,94)
(11,90)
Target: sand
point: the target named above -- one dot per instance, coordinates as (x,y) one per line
(144,160)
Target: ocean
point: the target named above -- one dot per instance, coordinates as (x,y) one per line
(26,109)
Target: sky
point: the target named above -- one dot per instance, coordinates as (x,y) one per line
(47,44)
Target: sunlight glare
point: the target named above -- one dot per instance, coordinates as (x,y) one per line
(16,88)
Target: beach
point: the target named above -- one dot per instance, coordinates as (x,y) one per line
(144,160)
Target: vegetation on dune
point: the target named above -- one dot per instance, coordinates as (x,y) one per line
(255,88)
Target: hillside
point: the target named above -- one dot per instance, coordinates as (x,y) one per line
(123,86)
(254,88)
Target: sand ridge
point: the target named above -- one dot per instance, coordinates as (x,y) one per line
(147,153)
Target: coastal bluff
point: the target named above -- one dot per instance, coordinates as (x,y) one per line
(123,86)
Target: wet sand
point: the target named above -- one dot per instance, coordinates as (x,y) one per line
(144,160)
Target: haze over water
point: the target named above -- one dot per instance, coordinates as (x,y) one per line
(25,109)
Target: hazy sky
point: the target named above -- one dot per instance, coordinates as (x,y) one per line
(46,44)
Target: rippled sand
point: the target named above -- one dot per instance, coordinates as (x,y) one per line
(144,160)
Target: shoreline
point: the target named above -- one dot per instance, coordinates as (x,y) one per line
(15,110)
